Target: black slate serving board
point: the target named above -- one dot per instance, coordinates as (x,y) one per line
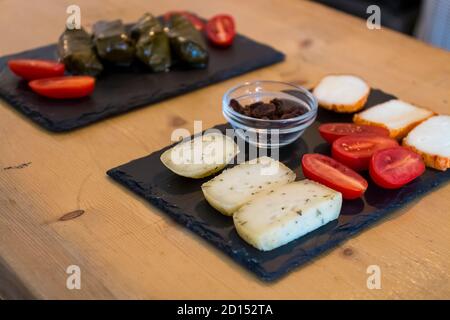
(182,199)
(125,89)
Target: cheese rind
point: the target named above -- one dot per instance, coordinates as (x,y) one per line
(289,212)
(234,187)
(201,156)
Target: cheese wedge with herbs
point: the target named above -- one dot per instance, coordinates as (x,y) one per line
(287,213)
(201,156)
(234,187)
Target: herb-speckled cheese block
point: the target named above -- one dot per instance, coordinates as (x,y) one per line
(234,187)
(287,213)
(201,156)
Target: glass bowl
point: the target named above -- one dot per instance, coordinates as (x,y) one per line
(269,133)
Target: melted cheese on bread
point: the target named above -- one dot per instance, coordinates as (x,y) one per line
(342,93)
(431,139)
(397,116)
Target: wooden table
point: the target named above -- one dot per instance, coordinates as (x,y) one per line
(128,249)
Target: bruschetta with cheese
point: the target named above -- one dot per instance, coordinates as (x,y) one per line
(398,116)
(431,139)
(342,93)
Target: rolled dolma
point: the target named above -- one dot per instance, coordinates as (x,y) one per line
(187,42)
(142,26)
(112,42)
(76,51)
(153,46)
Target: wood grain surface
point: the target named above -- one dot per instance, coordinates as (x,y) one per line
(58,208)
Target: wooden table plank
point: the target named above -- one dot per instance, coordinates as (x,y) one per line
(128,249)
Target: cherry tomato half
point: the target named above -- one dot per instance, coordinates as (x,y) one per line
(64,87)
(221,30)
(192,17)
(333,131)
(30,69)
(333,174)
(392,168)
(356,150)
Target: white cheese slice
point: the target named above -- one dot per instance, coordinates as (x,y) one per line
(432,136)
(289,212)
(234,187)
(395,114)
(201,156)
(341,89)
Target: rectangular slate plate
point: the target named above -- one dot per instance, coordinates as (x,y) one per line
(182,199)
(122,90)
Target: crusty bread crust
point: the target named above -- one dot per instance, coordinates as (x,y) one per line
(393,133)
(346,108)
(343,108)
(431,160)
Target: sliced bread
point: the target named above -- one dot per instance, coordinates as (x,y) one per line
(431,139)
(342,93)
(397,116)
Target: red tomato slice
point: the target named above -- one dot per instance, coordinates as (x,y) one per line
(333,131)
(192,17)
(64,87)
(221,30)
(356,150)
(392,168)
(333,174)
(36,69)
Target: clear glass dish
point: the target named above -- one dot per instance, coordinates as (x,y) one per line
(269,133)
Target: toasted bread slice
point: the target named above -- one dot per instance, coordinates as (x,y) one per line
(342,93)
(431,139)
(397,116)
